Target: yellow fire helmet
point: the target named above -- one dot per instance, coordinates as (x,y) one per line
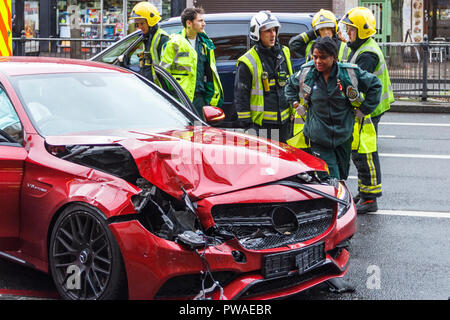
(147,11)
(362,19)
(324,19)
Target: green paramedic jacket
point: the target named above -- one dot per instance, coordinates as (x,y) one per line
(330,117)
(179,58)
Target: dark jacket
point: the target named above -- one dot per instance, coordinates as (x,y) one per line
(146,71)
(298,43)
(367,60)
(330,116)
(272,60)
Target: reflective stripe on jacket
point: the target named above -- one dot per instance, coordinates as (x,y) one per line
(351,81)
(344,51)
(381,71)
(258,112)
(153,51)
(364,134)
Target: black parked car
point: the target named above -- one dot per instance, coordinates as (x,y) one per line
(229,32)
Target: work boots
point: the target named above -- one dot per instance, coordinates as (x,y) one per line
(366,205)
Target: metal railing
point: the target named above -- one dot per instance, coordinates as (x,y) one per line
(419,70)
(60,47)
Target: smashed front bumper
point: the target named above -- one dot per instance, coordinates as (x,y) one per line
(163,269)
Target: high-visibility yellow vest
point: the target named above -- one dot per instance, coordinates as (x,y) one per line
(381,71)
(6,27)
(153,51)
(179,58)
(364,133)
(258,112)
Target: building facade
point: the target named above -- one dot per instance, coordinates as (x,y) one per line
(109,18)
(98,19)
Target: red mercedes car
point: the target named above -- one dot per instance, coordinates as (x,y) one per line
(119,190)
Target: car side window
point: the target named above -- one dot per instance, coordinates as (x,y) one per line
(111,55)
(9,120)
(230,39)
(170,29)
(133,61)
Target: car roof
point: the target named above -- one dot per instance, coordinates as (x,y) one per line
(246,16)
(14,66)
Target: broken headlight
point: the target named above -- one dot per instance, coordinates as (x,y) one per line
(343,194)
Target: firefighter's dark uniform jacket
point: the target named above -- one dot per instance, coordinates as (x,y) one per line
(330,118)
(274,62)
(301,45)
(154,41)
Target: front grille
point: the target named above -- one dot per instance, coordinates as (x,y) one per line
(252,223)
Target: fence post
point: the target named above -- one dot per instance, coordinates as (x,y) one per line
(425,68)
(21,49)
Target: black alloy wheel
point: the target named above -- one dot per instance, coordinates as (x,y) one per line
(84,257)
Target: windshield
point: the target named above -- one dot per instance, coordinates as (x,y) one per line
(69,103)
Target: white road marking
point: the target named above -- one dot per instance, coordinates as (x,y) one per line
(426,214)
(422,156)
(416,124)
(386,137)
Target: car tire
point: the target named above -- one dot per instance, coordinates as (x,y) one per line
(84,257)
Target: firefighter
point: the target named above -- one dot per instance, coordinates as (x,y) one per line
(331,91)
(189,57)
(146,17)
(261,75)
(324,24)
(366,53)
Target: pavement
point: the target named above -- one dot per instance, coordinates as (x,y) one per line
(432,105)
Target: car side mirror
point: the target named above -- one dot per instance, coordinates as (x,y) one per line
(213,114)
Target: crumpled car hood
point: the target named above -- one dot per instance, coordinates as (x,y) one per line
(205,161)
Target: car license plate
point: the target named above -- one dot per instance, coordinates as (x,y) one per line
(305,259)
(309,258)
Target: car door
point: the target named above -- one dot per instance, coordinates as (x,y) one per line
(12,158)
(117,53)
(170,85)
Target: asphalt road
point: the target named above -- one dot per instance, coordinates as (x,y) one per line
(403,251)
(400,253)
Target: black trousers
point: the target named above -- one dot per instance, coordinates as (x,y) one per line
(369,171)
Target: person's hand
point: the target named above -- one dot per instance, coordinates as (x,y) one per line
(341,37)
(359,113)
(300,109)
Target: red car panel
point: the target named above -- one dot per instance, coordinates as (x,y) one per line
(251,212)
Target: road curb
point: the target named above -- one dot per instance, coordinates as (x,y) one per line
(418,107)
